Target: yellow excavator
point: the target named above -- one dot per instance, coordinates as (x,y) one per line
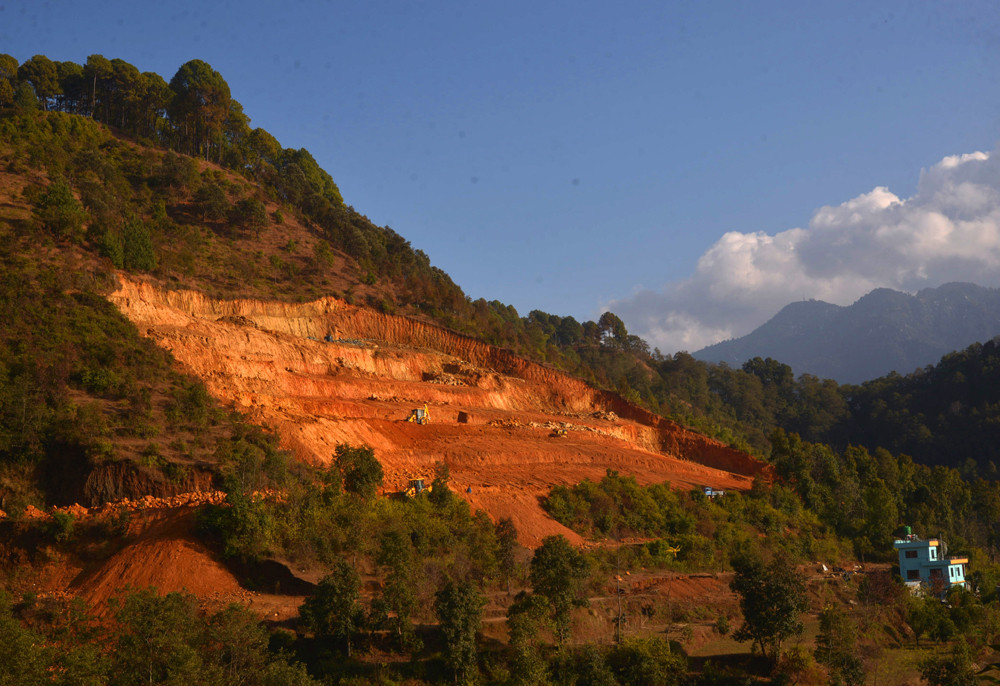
(558,433)
(415,488)
(420,415)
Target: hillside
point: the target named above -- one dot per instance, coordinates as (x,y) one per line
(884,331)
(250,219)
(493,414)
(207,365)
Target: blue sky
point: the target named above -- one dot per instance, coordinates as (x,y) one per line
(571,156)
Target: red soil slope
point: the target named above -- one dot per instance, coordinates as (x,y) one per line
(166,555)
(492,412)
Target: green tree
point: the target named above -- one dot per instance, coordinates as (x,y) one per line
(927,615)
(8,67)
(360,470)
(334,611)
(954,670)
(98,74)
(155,95)
(24,98)
(557,573)
(569,331)
(25,658)
(881,514)
(71,87)
(236,651)
(237,644)
(6,93)
(127,86)
(771,372)
(836,648)
(459,609)
(138,253)
(200,106)
(211,201)
(526,617)
(399,588)
(284,673)
(43,76)
(262,152)
(441,495)
(772,598)
(613,328)
(158,640)
(640,661)
(506,534)
(59,212)
(249,214)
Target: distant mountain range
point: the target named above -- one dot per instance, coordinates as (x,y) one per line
(884,331)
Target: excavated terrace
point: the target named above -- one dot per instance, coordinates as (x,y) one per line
(492,413)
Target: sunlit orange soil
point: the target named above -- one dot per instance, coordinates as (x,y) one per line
(492,413)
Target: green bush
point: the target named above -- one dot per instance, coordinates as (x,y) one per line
(360,470)
(61,526)
(59,212)
(249,214)
(138,253)
(111,245)
(652,660)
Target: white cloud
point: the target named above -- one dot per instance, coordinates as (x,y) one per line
(948,231)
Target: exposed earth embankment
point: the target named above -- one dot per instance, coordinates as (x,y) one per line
(326,372)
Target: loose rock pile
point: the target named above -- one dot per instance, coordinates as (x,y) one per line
(77,511)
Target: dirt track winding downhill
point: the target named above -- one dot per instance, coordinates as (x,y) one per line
(492,412)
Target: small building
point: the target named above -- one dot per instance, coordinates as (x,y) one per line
(711,493)
(924,563)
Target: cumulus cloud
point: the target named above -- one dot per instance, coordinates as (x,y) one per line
(948,231)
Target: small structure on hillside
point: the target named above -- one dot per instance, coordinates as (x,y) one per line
(924,563)
(711,493)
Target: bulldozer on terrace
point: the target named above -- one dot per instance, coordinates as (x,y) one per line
(415,488)
(412,490)
(420,415)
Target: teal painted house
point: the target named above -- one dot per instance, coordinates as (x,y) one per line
(924,562)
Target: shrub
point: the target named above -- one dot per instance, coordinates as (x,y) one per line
(647,661)
(61,526)
(59,212)
(138,252)
(360,470)
(250,214)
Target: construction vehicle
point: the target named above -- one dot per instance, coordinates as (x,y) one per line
(558,433)
(415,488)
(420,415)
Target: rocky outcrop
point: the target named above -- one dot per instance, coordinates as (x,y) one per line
(116,481)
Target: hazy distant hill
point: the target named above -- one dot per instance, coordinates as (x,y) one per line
(884,331)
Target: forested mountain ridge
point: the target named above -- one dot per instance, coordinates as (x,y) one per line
(182,153)
(104,170)
(81,197)
(270,223)
(884,331)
